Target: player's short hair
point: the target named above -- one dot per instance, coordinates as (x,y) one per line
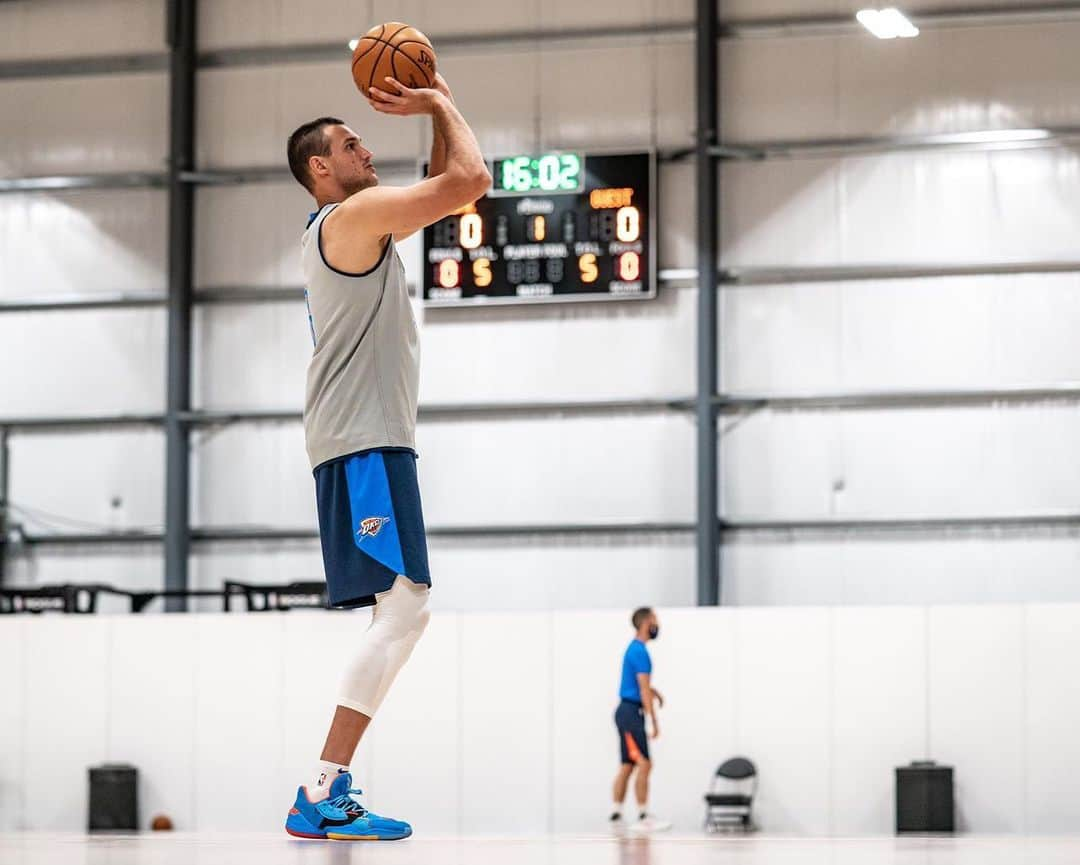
(307,141)
(640,615)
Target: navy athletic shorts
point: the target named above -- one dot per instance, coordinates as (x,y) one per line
(371,525)
(630,722)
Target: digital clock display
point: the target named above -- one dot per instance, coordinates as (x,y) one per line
(553,227)
(545,172)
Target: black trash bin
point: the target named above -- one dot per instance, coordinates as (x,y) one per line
(114,789)
(924,798)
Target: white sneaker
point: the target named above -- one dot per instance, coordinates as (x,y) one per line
(649,823)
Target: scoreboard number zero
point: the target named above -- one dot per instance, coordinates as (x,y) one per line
(553,227)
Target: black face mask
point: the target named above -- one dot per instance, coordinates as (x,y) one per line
(654,632)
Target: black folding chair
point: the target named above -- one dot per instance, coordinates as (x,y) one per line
(730,799)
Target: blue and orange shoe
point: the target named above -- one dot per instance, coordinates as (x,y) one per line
(340,817)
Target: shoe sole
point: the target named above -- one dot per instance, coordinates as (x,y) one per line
(337,837)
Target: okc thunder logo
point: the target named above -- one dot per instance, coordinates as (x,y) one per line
(371,526)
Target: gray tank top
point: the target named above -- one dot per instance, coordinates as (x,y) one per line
(364,373)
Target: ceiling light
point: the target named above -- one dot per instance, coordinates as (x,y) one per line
(887,23)
(353,43)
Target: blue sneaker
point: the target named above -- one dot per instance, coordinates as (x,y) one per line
(340,817)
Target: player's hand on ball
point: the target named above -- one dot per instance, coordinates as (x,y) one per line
(441,85)
(395,98)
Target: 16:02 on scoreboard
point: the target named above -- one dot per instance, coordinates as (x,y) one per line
(553,227)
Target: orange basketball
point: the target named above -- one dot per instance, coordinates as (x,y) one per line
(393,49)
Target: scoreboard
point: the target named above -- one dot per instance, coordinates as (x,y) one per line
(553,227)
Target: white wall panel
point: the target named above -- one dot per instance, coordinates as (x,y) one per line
(318,648)
(903,462)
(82,243)
(587,650)
(569,351)
(498,94)
(250,235)
(902,568)
(694,668)
(1052,717)
(59,28)
(783,686)
(879,712)
(252,356)
(754,9)
(66,721)
(618,468)
(619,117)
(417,735)
(251,476)
(91,362)
(977,710)
(151,722)
(489,574)
(239,723)
(507,691)
(82,481)
(996,331)
(928,208)
(246,115)
(84,125)
(12,725)
(947,80)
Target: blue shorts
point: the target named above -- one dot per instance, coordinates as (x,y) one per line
(630,722)
(371,525)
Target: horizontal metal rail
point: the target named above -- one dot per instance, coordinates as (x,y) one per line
(757,151)
(82,302)
(729,526)
(552,39)
(1064,392)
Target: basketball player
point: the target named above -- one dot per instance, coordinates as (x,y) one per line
(360,415)
(637,697)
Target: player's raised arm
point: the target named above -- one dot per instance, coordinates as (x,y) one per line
(399,210)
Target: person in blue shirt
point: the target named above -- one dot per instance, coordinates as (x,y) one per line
(637,696)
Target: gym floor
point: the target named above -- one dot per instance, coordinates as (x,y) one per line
(207,849)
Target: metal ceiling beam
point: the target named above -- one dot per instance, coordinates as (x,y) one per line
(752,526)
(69,182)
(859,400)
(1065,392)
(751,276)
(49,304)
(79,67)
(450,43)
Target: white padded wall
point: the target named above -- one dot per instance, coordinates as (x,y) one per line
(826,701)
(82,243)
(84,125)
(952,207)
(948,80)
(40,29)
(954,332)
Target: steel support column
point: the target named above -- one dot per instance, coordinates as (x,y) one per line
(708,447)
(181,37)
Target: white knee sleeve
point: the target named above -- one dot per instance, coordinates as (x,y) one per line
(399,618)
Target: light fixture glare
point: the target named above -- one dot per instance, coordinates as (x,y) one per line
(889,23)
